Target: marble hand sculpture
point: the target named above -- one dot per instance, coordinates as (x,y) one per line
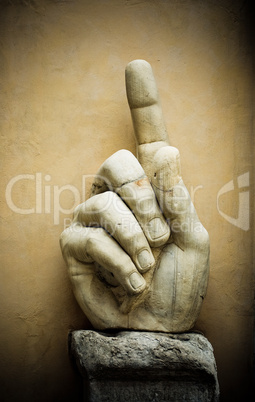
(136,252)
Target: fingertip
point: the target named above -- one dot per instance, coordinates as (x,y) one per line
(136,282)
(140,84)
(157,232)
(144,260)
(137,63)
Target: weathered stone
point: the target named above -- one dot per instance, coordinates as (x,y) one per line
(136,251)
(145,366)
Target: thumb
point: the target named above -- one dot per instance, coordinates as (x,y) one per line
(175,202)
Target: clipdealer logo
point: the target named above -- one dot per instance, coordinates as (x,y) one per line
(47,197)
(242,220)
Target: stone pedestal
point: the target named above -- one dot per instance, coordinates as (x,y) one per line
(145,366)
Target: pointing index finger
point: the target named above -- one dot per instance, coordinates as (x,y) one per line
(146,111)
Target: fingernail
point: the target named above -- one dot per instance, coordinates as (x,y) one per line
(137,281)
(158,229)
(145,260)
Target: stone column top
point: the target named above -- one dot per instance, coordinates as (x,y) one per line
(154,353)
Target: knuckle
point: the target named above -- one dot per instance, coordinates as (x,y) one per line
(65,235)
(65,239)
(102,201)
(174,152)
(91,244)
(78,210)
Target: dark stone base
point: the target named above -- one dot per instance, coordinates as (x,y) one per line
(145,366)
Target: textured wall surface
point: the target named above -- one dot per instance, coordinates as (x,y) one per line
(64,111)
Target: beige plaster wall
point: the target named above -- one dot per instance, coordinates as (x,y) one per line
(63,111)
